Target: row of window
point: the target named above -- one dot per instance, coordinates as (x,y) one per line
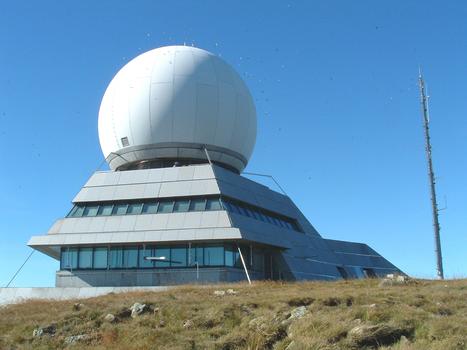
(153,207)
(179,205)
(132,257)
(258,214)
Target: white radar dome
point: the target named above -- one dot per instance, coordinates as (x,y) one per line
(171,104)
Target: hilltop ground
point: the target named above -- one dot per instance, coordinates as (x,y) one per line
(313,315)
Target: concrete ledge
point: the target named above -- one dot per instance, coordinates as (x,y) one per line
(18,295)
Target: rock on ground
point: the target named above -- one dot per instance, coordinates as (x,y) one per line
(76,338)
(109,318)
(376,335)
(48,330)
(138,309)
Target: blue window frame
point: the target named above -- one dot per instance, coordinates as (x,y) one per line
(150,208)
(178,256)
(165,207)
(162,253)
(213,255)
(181,206)
(69,259)
(105,210)
(198,204)
(120,209)
(134,208)
(130,257)
(144,252)
(91,210)
(116,258)
(100,258)
(85,258)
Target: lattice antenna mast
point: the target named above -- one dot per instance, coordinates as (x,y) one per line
(431,176)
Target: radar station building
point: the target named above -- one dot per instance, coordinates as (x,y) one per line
(177,126)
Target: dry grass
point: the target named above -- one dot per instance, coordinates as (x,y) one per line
(430,315)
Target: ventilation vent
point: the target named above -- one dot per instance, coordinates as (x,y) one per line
(125,142)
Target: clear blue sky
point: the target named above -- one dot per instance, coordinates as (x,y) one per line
(335,85)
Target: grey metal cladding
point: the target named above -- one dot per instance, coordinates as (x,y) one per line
(103,224)
(129,237)
(149,183)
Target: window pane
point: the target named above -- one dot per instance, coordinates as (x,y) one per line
(105,209)
(289,225)
(116,258)
(258,260)
(181,205)
(119,209)
(161,253)
(200,255)
(213,204)
(229,255)
(130,257)
(178,256)
(198,204)
(262,217)
(146,252)
(249,212)
(150,208)
(85,258)
(165,207)
(69,258)
(196,256)
(235,208)
(78,212)
(91,210)
(214,256)
(72,211)
(277,221)
(134,208)
(100,258)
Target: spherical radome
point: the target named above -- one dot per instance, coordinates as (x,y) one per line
(171,103)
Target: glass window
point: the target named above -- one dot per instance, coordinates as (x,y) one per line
(72,211)
(270,219)
(258,260)
(146,251)
(130,257)
(163,256)
(150,208)
(178,256)
(262,217)
(229,255)
(165,207)
(214,256)
(277,221)
(85,258)
(135,208)
(282,223)
(78,212)
(90,210)
(289,225)
(249,212)
(100,258)
(116,258)
(105,209)
(181,205)
(196,256)
(213,204)
(119,209)
(69,259)
(233,208)
(198,204)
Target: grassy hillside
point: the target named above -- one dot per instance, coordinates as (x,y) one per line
(313,315)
